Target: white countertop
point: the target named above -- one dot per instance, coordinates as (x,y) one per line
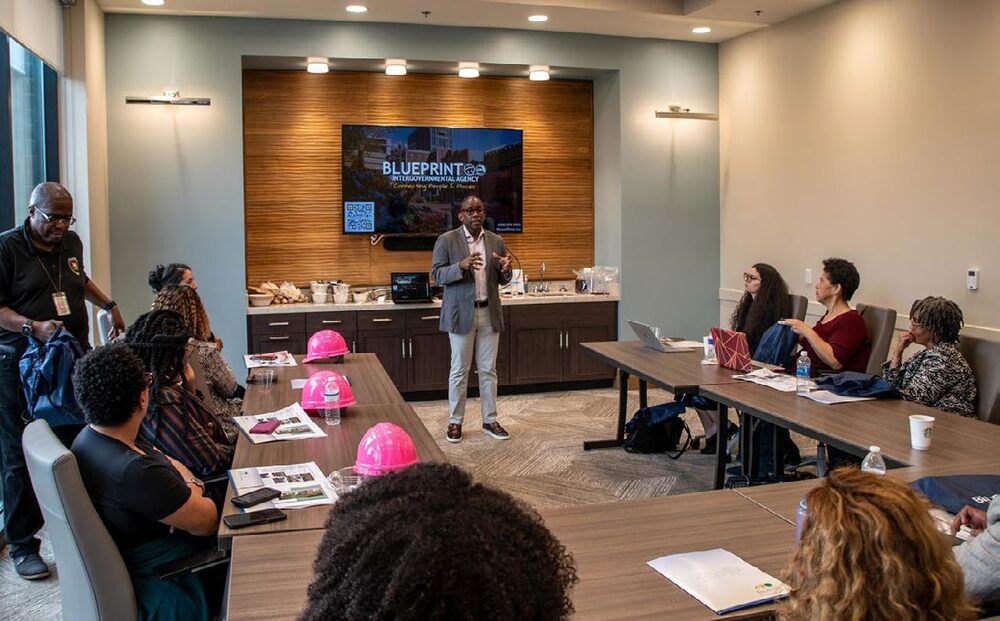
(505,300)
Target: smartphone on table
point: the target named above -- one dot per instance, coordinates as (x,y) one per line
(264,516)
(255,497)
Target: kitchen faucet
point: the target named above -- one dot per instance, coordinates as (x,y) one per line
(541,286)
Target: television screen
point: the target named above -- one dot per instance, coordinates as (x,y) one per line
(411,180)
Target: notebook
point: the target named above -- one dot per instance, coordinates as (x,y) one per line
(719,579)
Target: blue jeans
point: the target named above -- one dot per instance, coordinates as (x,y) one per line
(21,516)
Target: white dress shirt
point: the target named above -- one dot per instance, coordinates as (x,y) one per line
(478,244)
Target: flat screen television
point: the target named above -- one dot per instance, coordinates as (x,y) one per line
(411,180)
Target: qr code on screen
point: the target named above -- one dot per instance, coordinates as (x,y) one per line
(359,216)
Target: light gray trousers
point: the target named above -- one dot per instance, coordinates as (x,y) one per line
(481,341)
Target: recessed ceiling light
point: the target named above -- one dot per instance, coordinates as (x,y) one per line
(538,18)
(357,8)
(317,65)
(538,73)
(153,2)
(468,70)
(395,66)
(701,30)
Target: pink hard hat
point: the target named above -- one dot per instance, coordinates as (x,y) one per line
(325,344)
(385,448)
(312,392)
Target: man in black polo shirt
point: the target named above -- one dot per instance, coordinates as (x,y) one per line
(42,287)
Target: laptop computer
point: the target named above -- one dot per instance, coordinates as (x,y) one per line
(648,338)
(732,349)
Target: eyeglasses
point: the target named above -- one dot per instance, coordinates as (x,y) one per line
(747,277)
(473,212)
(51,218)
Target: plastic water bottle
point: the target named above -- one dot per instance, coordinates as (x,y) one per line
(331,403)
(803,367)
(873,461)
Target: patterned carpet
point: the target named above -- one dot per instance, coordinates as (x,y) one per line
(543,464)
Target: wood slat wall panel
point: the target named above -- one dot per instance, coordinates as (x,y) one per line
(292,160)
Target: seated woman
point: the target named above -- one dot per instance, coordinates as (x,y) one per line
(839,341)
(939,376)
(870,550)
(979,557)
(428,543)
(151,505)
(225,393)
(178,422)
(765,301)
(171,274)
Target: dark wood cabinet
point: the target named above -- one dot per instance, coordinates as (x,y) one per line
(540,343)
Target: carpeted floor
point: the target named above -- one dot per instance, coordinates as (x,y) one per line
(542,464)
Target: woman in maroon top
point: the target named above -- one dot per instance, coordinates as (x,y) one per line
(839,341)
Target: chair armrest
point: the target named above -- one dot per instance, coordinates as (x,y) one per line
(191,564)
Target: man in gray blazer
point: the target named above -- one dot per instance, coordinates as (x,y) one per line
(471,263)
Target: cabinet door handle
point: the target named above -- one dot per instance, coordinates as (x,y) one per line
(561,340)
(430,317)
(278,323)
(331,322)
(411,349)
(402,343)
(278,338)
(382,320)
(567,339)
(354,347)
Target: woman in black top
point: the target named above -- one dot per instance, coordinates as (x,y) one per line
(149,502)
(765,300)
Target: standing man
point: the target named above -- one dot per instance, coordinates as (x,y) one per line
(471,264)
(42,287)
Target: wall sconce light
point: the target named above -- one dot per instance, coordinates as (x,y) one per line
(677,112)
(170,97)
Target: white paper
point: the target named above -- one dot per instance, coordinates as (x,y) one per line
(719,579)
(681,343)
(276,359)
(299,384)
(295,425)
(829,398)
(301,485)
(778,381)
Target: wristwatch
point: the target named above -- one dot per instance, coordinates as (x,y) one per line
(26,328)
(196,481)
(109,306)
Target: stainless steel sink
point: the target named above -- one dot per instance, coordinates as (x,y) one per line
(550,294)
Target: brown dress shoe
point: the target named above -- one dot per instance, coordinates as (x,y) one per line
(454,433)
(494,430)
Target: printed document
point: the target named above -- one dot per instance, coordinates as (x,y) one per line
(301,485)
(829,398)
(778,381)
(276,359)
(719,579)
(295,424)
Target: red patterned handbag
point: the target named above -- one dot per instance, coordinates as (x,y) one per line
(732,349)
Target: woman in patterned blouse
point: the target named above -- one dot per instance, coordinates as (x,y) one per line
(939,376)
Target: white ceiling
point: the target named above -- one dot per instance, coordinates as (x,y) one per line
(658,19)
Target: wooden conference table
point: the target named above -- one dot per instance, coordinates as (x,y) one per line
(378,401)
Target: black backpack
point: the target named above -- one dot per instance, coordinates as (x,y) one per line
(657,429)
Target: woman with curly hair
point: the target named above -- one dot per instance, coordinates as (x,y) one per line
(427,543)
(939,376)
(225,393)
(870,552)
(171,274)
(178,422)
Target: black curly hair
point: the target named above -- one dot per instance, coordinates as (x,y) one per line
(842,272)
(108,384)
(428,543)
(163,275)
(159,339)
(942,317)
(754,315)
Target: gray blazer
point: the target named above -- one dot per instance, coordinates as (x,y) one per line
(460,285)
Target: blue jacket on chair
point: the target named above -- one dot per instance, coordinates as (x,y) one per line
(47,378)
(776,345)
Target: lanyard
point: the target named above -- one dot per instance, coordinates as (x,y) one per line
(57,288)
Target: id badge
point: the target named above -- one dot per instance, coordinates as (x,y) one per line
(62,304)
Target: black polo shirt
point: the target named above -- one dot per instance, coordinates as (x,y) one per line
(26,287)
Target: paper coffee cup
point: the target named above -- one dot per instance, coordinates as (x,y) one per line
(921,429)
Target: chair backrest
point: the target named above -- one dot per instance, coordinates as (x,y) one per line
(199,378)
(799,306)
(104,325)
(984,357)
(92,577)
(881,323)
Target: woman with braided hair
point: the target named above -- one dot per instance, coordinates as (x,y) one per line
(938,376)
(224,392)
(177,422)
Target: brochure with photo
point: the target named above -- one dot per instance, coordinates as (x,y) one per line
(294,424)
(301,485)
(276,359)
(719,579)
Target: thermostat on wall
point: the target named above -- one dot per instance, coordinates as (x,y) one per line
(972,282)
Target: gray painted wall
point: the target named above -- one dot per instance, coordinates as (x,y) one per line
(176,174)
